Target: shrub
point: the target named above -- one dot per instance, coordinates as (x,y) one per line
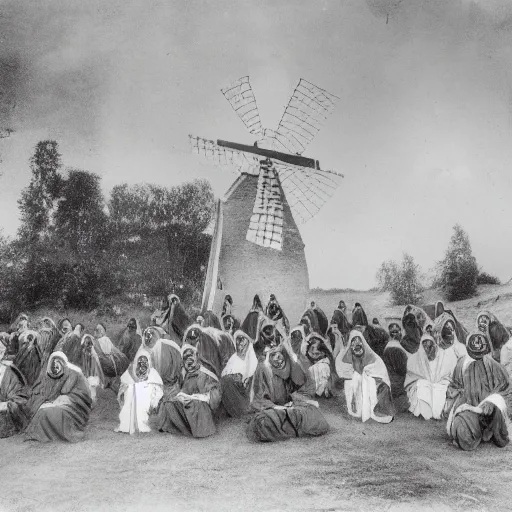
(485,278)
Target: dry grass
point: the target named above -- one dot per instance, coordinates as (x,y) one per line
(406,465)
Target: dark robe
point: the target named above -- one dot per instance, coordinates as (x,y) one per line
(129,342)
(235,395)
(395,359)
(377,338)
(211,320)
(273,387)
(194,419)
(480,379)
(70,344)
(61,422)
(209,350)
(166,359)
(340,319)
(359,316)
(14,392)
(251,324)
(29,361)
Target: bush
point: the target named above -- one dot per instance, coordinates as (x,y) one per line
(485,278)
(457,273)
(402,280)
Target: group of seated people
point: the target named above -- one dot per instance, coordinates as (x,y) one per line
(180,376)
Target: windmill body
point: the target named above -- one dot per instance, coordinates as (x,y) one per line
(256,244)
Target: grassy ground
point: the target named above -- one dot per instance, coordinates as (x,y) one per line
(406,465)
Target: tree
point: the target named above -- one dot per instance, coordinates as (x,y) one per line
(160,231)
(38,199)
(80,219)
(457,273)
(402,280)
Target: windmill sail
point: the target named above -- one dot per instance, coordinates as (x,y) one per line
(306,189)
(241,98)
(266,225)
(304,115)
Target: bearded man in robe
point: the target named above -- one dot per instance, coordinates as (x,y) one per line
(139,394)
(236,378)
(445,334)
(130,339)
(60,403)
(429,372)
(320,364)
(497,334)
(395,359)
(475,399)
(13,398)
(165,358)
(282,399)
(368,393)
(191,411)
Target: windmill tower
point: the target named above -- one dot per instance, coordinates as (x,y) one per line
(256,245)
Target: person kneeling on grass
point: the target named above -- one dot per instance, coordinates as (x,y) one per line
(475,399)
(60,403)
(139,394)
(282,399)
(190,412)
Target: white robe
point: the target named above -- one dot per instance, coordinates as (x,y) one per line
(321,373)
(426,381)
(361,392)
(139,397)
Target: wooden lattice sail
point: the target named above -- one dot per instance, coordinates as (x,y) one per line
(256,245)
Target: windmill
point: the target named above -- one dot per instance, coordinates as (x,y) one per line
(256,245)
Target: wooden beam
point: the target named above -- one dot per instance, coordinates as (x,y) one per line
(301,161)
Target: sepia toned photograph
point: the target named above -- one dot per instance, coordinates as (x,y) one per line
(255,255)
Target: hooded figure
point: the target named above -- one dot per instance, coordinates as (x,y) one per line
(339,317)
(268,337)
(376,337)
(475,399)
(60,403)
(395,359)
(275,312)
(359,316)
(208,345)
(415,323)
(29,358)
(13,397)
(282,399)
(315,320)
(445,334)
(210,319)
(368,393)
(190,412)
(172,318)
(71,345)
(252,322)
(298,341)
(139,394)
(165,358)
(230,324)
(237,376)
(130,339)
(497,334)
(320,364)
(429,372)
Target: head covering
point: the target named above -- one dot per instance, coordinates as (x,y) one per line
(478,345)
(245,366)
(359,316)
(133,367)
(138,328)
(496,332)
(285,371)
(368,357)
(437,331)
(59,355)
(298,345)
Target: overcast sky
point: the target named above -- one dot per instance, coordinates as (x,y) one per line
(422,131)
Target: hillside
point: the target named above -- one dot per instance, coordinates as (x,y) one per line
(497,298)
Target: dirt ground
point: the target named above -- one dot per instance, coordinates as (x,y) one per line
(406,465)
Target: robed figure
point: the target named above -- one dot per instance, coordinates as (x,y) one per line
(139,394)
(475,399)
(130,339)
(237,376)
(368,392)
(13,397)
(191,411)
(60,403)
(282,399)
